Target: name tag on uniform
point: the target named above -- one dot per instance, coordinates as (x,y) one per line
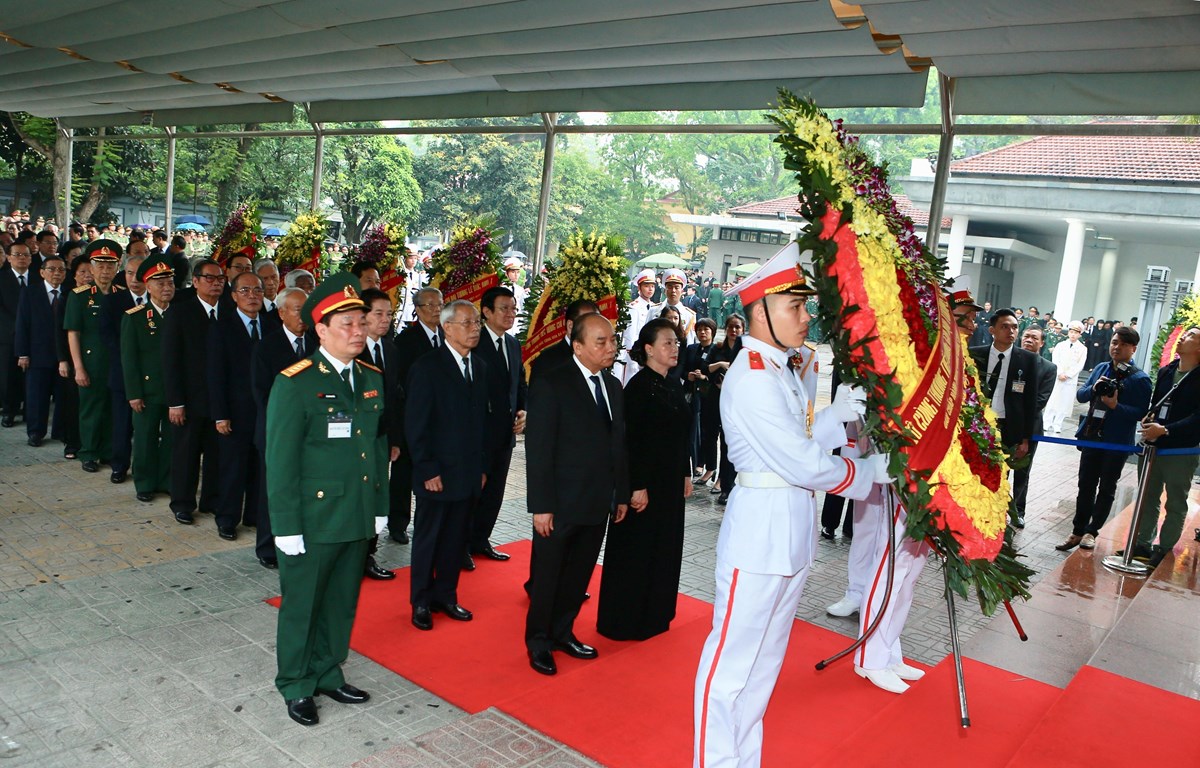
(338,426)
(1018,387)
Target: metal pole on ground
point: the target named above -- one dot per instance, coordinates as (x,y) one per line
(539,241)
(1125,563)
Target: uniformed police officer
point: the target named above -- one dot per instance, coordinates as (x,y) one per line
(90,355)
(327,483)
(141,362)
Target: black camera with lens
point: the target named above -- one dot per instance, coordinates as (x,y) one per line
(1108,387)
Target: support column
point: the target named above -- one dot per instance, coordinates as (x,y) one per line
(956,244)
(539,241)
(170,204)
(318,166)
(1068,276)
(1108,272)
(941,175)
(1196,277)
(63,210)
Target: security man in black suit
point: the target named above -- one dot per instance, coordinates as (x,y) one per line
(281,347)
(112,309)
(15,276)
(1032,340)
(231,342)
(34,347)
(415,340)
(445,423)
(501,352)
(185,369)
(577,477)
(1009,378)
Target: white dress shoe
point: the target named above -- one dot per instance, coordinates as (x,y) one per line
(882,678)
(843,608)
(905,672)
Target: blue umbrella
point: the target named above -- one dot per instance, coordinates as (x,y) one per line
(192,218)
(190,226)
(273,232)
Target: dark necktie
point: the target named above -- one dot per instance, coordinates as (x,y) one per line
(467,370)
(994,376)
(379,355)
(500,349)
(22,280)
(346,377)
(435,341)
(300,347)
(212,314)
(601,405)
(139,300)
(254,329)
(53,299)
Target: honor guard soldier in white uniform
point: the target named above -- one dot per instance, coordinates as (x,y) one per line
(641,308)
(769,533)
(673,283)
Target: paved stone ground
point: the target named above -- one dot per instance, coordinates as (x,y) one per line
(129,640)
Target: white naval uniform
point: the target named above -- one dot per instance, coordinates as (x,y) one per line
(1070,357)
(870,530)
(407,309)
(765,547)
(639,314)
(882,649)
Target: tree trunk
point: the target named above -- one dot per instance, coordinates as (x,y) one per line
(91,201)
(229,187)
(60,161)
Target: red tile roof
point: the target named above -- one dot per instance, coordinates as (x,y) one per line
(788,205)
(1111,158)
(919,216)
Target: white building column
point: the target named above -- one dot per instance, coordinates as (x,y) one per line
(1108,271)
(1068,276)
(954,246)
(1196,277)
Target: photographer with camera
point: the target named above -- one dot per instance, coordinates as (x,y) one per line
(1118,394)
(1173,422)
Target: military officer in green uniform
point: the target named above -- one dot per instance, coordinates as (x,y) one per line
(327,482)
(141,361)
(89,353)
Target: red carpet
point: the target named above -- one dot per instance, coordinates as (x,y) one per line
(1103,719)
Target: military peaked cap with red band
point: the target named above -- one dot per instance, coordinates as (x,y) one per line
(959,289)
(154,267)
(781,274)
(337,293)
(103,250)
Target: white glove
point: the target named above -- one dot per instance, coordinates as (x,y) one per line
(290,545)
(878,464)
(849,403)
(380,524)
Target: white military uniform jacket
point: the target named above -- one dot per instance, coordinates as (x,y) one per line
(640,313)
(781,452)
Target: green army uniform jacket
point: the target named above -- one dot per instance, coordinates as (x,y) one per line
(141,355)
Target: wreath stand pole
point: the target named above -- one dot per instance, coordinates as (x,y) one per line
(1125,563)
(954,647)
(891,573)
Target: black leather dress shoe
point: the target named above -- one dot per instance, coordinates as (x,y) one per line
(268,562)
(422,618)
(184,518)
(543,662)
(491,553)
(229,534)
(35,442)
(399,538)
(454,611)
(7,421)
(373,571)
(723,498)
(145,497)
(303,711)
(91,466)
(468,562)
(346,694)
(119,477)
(576,649)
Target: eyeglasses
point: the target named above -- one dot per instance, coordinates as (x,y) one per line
(55,270)
(212,278)
(250,290)
(468,323)
(431,305)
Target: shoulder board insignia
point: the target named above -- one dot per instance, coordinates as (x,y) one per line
(133,310)
(756,361)
(292,370)
(368,365)
(81,288)
(811,346)
(119,288)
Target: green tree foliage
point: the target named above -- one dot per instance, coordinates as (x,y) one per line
(370,179)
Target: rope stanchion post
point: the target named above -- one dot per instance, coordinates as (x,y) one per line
(1125,563)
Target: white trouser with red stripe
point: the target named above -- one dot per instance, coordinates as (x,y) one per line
(752,620)
(870,535)
(882,648)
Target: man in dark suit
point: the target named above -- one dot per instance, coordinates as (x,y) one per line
(382,355)
(445,422)
(231,342)
(281,347)
(34,347)
(1032,340)
(1009,377)
(112,309)
(415,340)
(15,277)
(559,354)
(506,419)
(185,367)
(578,476)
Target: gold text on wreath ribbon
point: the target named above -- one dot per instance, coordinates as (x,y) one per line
(931,413)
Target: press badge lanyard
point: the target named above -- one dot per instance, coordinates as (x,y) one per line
(1165,402)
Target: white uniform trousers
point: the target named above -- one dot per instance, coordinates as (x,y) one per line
(882,648)
(870,535)
(752,620)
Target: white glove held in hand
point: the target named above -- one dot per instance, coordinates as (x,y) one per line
(290,545)
(879,469)
(849,403)
(380,524)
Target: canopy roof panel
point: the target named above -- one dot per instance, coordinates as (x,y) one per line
(191,61)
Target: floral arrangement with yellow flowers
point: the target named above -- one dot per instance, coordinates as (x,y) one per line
(1186,315)
(303,247)
(893,335)
(470,264)
(242,228)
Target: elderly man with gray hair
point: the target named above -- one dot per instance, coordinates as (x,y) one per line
(269,274)
(1069,357)
(302,279)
